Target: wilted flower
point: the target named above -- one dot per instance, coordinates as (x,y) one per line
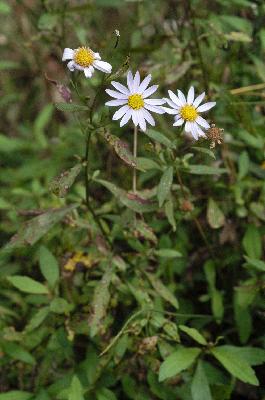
(134,101)
(84,59)
(215,135)
(187,111)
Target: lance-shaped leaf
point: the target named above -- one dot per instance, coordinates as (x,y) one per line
(34,229)
(162,290)
(121,149)
(194,334)
(215,216)
(62,183)
(75,390)
(100,302)
(206,170)
(144,231)
(70,107)
(130,200)
(200,388)
(16,395)
(27,285)
(160,138)
(177,362)
(164,186)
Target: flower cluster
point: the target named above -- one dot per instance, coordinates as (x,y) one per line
(134,99)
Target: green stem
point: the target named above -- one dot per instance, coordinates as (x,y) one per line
(135,134)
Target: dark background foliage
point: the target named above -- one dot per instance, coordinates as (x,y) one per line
(98,302)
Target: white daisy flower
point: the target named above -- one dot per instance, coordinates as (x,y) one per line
(84,59)
(187,111)
(134,101)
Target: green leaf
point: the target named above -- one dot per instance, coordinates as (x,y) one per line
(70,107)
(100,302)
(49,266)
(145,164)
(62,183)
(235,365)
(200,388)
(121,148)
(204,150)
(168,253)
(27,285)
(252,355)
(215,216)
(206,170)
(243,320)
(60,306)
(252,242)
(130,200)
(257,264)
(76,390)
(17,352)
(16,395)
(169,210)
(162,290)
(164,186)
(243,165)
(48,21)
(105,394)
(34,229)
(194,334)
(177,362)
(37,319)
(160,138)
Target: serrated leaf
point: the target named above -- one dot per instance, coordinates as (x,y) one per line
(178,362)
(62,183)
(160,138)
(235,365)
(70,107)
(34,229)
(164,185)
(27,285)
(215,216)
(49,266)
(100,302)
(200,388)
(206,170)
(194,334)
(130,200)
(162,290)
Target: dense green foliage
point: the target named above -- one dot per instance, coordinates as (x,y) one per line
(106,294)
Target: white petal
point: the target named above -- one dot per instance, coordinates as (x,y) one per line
(170,110)
(79,67)
(68,54)
(200,131)
(188,126)
(190,96)
(135,117)
(148,117)
(130,81)
(120,87)
(126,117)
(206,106)
(102,66)
(178,122)
(120,113)
(88,72)
(97,56)
(113,103)
(136,81)
(182,97)
(171,103)
(193,129)
(116,95)
(175,99)
(149,91)
(71,66)
(201,121)
(155,102)
(156,109)
(142,122)
(198,100)
(177,116)
(144,84)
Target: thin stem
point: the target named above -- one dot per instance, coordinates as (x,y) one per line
(135,134)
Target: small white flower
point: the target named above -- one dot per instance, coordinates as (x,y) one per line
(84,59)
(134,101)
(187,111)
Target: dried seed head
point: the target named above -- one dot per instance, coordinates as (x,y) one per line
(215,135)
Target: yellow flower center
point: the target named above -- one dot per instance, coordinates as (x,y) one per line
(188,113)
(84,57)
(135,101)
